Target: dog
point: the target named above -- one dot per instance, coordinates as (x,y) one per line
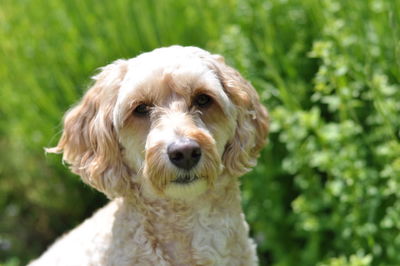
(165,136)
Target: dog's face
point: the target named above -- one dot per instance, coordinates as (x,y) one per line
(169,122)
(173,120)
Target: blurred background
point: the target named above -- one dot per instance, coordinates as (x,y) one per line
(326,190)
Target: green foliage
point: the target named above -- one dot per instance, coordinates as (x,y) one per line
(354,260)
(326,190)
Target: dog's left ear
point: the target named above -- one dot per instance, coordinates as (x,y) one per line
(89,143)
(251,132)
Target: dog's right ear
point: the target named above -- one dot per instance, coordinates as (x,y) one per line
(252,122)
(88,142)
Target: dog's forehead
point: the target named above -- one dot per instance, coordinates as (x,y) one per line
(159,70)
(162,65)
(157,74)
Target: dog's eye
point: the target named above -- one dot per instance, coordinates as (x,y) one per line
(202,100)
(142,109)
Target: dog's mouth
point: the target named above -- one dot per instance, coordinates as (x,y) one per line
(185,179)
(186,187)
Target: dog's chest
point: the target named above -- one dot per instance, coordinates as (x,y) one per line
(207,237)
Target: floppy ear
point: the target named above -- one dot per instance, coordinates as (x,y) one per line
(88,143)
(251,132)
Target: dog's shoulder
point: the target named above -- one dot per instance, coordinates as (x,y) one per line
(83,242)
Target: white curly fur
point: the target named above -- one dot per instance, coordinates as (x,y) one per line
(151,219)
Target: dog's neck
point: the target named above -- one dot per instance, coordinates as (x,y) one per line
(179,226)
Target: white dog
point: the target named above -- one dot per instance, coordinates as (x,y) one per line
(165,135)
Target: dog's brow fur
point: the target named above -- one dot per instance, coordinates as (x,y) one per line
(154,218)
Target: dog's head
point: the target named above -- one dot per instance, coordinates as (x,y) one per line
(170,122)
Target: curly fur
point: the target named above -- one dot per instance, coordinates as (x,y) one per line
(151,220)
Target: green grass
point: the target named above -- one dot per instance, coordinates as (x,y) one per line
(326,189)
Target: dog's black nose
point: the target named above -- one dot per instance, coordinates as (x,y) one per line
(184,153)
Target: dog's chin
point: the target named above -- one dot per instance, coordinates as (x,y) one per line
(186,187)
